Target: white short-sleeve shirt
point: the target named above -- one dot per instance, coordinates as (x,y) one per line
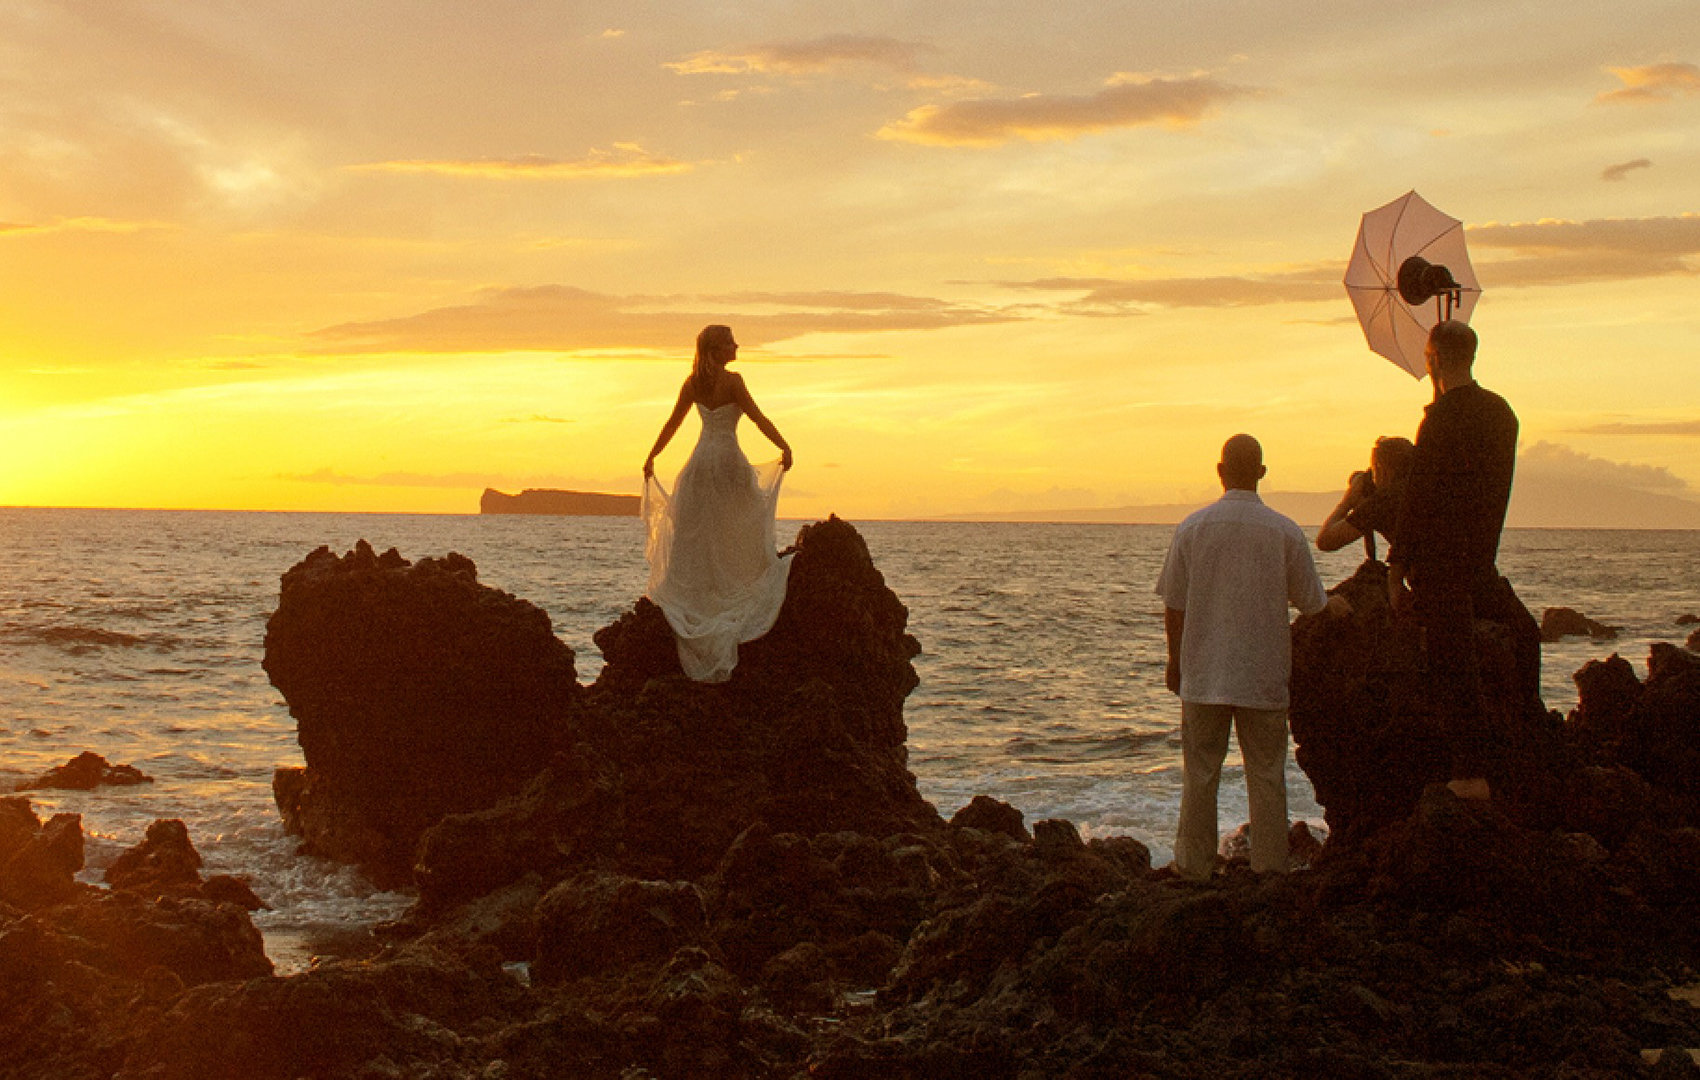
(1233,567)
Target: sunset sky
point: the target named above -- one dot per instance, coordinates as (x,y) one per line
(981,256)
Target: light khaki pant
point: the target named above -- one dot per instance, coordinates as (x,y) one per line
(1204,744)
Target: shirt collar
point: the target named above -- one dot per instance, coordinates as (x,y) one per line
(1241,495)
(1462,391)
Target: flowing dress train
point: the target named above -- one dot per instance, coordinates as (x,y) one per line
(713,570)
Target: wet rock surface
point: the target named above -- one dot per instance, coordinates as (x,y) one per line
(691,889)
(417,692)
(85,772)
(1562,622)
(86,972)
(1651,727)
(1368,738)
(654,776)
(165,863)
(1367,734)
(38,861)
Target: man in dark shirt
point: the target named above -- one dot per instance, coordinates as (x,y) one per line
(1447,538)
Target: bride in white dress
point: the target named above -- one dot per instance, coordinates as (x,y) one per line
(713,570)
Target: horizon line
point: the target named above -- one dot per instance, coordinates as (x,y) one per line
(962,518)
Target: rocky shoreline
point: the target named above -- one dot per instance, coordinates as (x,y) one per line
(646,877)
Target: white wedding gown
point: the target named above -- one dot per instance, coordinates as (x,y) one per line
(713,570)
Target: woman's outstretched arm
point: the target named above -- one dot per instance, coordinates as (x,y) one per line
(1336,531)
(748,404)
(680,407)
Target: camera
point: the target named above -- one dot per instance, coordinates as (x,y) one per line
(1363,482)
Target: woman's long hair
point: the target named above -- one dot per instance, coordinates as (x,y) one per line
(1393,453)
(706,368)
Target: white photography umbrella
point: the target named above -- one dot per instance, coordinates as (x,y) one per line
(1407,254)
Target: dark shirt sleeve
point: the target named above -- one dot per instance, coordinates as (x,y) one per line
(1378,513)
(1416,507)
(1459,484)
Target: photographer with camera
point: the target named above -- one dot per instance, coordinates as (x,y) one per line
(1371,502)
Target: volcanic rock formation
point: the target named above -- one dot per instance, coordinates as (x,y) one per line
(165,863)
(1366,732)
(417,692)
(423,697)
(742,881)
(85,970)
(1558,623)
(1369,740)
(85,772)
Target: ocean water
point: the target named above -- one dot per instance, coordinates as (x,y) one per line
(139,635)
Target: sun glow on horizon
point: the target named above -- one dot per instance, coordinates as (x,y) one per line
(254,263)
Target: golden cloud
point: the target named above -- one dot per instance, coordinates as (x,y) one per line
(1111,296)
(1579,268)
(834,300)
(560,318)
(1652,83)
(1671,234)
(803,57)
(1128,101)
(1669,427)
(472,481)
(78,224)
(949,85)
(1559,252)
(1656,244)
(328,475)
(624,161)
(1618,172)
(1557,461)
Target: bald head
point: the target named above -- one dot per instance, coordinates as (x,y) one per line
(1242,463)
(1451,350)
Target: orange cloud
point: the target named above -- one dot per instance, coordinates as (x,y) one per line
(1579,268)
(453,480)
(1557,461)
(78,224)
(834,300)
(559,318)
(1671,427)
(1673,235)
(1557,252)
(625,160)
(1618,172)
(1109,296)
(1652,83)
(1128,101)
(950,85)
(803,57)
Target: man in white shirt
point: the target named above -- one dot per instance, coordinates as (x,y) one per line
(1232,569)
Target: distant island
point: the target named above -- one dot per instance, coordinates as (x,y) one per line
(549,501)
